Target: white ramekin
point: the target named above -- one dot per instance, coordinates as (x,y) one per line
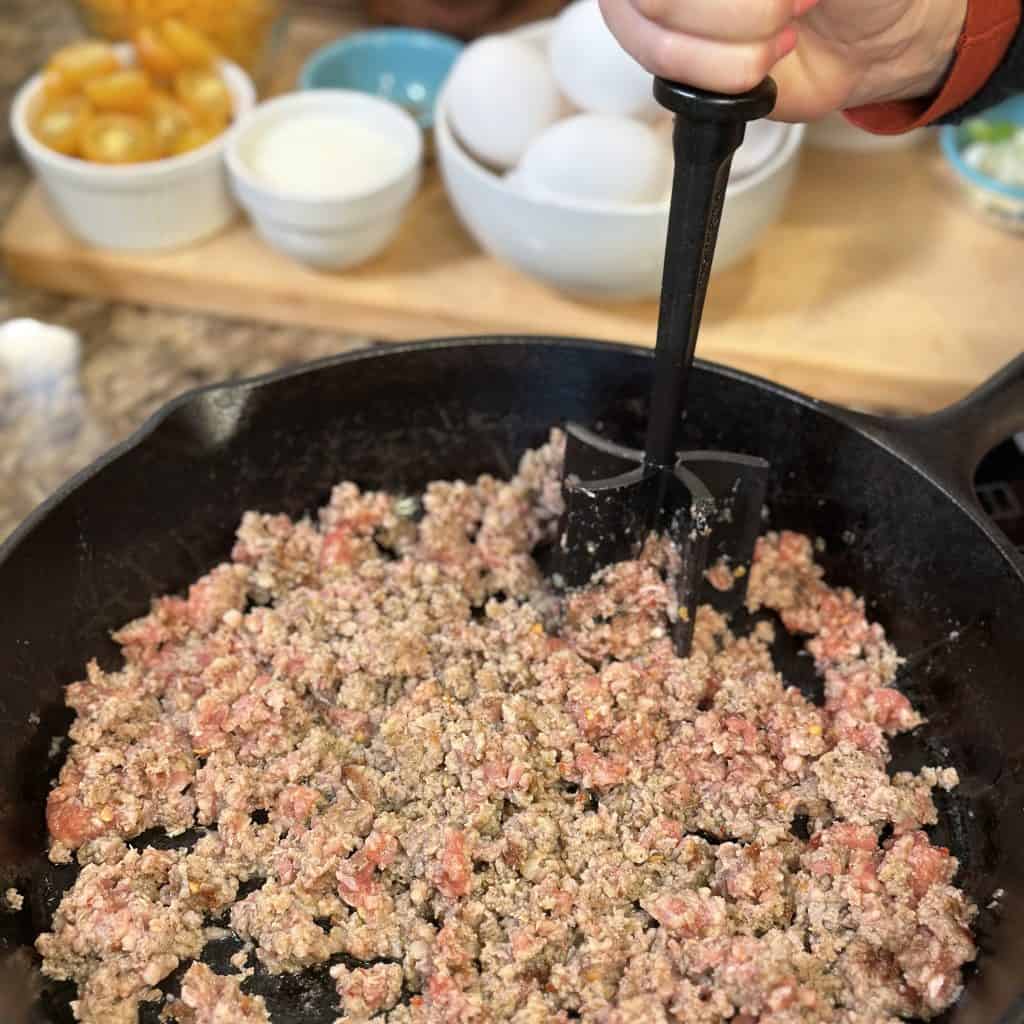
(342,229)
(160,204)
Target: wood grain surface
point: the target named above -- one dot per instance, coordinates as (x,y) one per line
(877,288)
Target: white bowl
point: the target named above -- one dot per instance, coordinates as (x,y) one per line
(160,204)
(595,250)
(342,229)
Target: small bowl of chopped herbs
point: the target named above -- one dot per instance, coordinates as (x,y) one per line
(986,153)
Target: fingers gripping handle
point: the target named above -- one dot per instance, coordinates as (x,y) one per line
(709,128)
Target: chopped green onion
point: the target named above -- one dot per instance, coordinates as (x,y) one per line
(980,130)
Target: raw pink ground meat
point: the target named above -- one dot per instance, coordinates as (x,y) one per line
(481,802)
(208,998)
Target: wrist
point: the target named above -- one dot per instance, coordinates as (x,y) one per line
(915,59)
(935,49)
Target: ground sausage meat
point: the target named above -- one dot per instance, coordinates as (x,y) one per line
(208,998)
(415,766)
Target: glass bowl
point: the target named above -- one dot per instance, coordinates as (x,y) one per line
(997,202)
(247,32)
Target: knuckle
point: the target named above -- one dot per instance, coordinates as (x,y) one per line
(777,14)
(683,59)
(652,10)
(667,58)
(746,73)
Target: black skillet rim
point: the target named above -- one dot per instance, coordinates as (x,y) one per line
(878,430)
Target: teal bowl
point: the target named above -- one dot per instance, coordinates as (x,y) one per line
(997,202)
(404,65)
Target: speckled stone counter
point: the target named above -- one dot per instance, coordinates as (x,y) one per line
(134,359)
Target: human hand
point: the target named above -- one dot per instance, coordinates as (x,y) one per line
(824,55)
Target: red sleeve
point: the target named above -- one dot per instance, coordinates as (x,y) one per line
(984,39)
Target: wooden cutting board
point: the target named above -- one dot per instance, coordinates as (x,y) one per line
(878,287)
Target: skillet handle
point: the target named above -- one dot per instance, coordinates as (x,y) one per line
(952,442)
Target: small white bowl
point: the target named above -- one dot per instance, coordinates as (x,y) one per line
(159,204)
(342,229)
(610,251)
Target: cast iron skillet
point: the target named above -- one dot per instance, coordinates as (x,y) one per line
(892,501)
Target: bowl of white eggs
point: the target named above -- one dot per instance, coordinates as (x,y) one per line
(558,160)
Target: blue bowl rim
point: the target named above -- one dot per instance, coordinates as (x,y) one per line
(425,39)
(948,139)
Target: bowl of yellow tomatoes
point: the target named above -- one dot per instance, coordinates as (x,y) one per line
(127,139)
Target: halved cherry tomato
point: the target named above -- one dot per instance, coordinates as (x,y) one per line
(81,61)
(56,85)
(125,92)
(205,94)
(60,122)
(171,122)
(192,47)
(154,54)
(196,136)
(171,101)
(118,139)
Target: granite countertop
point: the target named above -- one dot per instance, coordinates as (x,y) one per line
(134,358)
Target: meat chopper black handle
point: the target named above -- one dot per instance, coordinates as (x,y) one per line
(708,129)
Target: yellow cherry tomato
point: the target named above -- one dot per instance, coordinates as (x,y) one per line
(154,55)
(192,47)
(205,94)
(196,136)
(118,139)
(125,92)
(170,121)
(59,123)
(81,61)
(55,85)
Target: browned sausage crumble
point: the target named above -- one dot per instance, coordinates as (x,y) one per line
(478,803)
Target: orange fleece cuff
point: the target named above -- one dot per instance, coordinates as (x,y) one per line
(988,29)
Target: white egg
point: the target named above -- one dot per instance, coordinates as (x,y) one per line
(593,70)
(663,128)
(501,95)
(514,180)
(761,140)
(597,157)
